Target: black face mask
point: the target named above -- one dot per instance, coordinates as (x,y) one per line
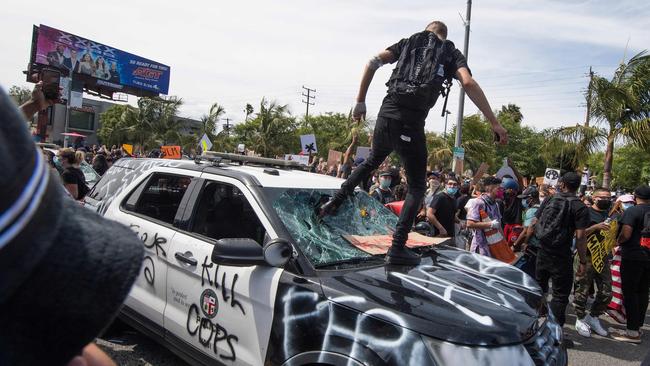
(603,204)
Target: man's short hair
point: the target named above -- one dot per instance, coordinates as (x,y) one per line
(490,181)
(439,28)
(601,189)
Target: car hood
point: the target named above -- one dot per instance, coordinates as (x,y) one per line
(451,295)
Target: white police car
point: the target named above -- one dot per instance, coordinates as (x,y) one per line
(239,270)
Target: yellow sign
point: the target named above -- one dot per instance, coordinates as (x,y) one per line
(600,244)
(128,148)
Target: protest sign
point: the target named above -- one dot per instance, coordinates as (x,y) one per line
(333,158)
(170,152)
(308,144)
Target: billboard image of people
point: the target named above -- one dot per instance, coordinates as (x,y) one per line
(114,67)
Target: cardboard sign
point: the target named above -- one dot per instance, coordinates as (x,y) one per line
(600,244)
(334,157)
(379,244)
(363,152)
(308,144)
(128,148)
(170,152)
(301,159)
(551,176)
(480,172)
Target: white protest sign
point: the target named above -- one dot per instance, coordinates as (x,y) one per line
(308,144)
(551,176)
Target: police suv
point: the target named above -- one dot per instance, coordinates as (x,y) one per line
(239,270)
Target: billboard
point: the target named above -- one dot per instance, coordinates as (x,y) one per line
(110,67)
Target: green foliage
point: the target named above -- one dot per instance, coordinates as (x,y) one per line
(115,127)
(20,94)
(631,167)
(334,131)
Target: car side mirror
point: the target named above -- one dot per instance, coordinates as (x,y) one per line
(244,252)
(238,252)
(277,252)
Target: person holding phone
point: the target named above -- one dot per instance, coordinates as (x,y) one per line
(426,63)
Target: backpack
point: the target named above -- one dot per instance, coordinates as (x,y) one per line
(645,232)
(551,228)
(418,78)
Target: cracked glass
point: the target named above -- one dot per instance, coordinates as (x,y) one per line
(322,240)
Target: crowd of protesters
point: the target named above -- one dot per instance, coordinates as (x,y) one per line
(548,231)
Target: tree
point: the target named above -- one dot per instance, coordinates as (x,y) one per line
(20,94)
(115,128)
(272,132)
(248,110)
(334,131)
(621,109)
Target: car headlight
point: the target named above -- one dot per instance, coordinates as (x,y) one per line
(446,353)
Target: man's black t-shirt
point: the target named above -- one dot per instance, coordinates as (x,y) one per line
(445,207)
(577,218)
(390,109)
(460,206)
(72,175)
(632,249)
(512,211)
(596,217)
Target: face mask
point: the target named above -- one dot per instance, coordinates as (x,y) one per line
(603,204)
(384,183)
(524,204)
(452,191)
(627,205)
(500,194)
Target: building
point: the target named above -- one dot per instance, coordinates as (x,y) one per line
(85,121)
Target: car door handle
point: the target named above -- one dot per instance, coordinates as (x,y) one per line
(186,258)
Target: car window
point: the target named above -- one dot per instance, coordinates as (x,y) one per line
(223,211)
(160,198)
(324,240)
(89,173)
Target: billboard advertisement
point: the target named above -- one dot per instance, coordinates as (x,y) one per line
(111,67)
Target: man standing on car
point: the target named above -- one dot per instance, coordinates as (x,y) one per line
(558,219)
(425,60)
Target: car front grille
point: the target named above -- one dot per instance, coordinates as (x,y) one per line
(545,346)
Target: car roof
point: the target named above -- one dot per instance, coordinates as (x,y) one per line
(265,176)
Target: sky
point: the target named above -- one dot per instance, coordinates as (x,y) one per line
(532,53)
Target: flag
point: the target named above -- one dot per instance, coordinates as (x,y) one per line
(205,143)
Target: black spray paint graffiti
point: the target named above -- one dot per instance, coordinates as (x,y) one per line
(210,334)
(205,277)
(149,268)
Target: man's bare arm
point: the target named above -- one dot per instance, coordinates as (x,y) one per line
(625,235)
(384,57)
(477,96)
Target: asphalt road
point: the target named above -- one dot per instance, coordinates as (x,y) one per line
(131,348)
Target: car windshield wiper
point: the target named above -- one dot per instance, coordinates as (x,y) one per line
(355,260)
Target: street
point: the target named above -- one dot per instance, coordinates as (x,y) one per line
(131,348)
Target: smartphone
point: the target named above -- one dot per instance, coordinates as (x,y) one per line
(50,79)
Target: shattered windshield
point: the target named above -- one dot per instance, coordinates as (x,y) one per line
(327,240)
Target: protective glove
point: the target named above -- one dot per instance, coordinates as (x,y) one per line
(495,224)
(359,110)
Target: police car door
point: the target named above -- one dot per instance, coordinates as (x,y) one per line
(223,312)
(149,210)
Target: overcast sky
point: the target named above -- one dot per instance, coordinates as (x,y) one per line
(533,53)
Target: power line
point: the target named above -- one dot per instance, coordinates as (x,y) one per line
(308,101)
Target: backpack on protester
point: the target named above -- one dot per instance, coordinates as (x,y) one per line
(551,228)
(418,78)
(645,232)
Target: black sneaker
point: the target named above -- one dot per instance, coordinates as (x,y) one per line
(329,208)
(401,255)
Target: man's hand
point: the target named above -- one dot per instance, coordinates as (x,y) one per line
(442,232)
(38,97)
(359,111)
(603,226)
(581,269)
(501,133)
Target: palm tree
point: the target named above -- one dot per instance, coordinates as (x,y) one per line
(270,117)
(621,109)
(248,110)
(209,121)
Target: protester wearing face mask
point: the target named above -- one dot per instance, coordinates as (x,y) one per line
(383,193)
(600,273)
(484,218)
(441,213)
(615,308)
(526,242)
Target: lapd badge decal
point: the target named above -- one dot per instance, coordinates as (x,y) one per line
(209,304)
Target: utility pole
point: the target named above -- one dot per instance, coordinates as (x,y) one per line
(226,126)
(591,80)
(308,99)
(447,113)
(461,98)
